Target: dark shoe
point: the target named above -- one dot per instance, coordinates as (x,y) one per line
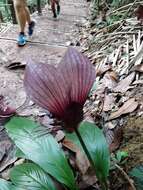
(31,28)
(21,41)
(54,15)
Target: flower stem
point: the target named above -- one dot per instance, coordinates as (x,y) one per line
(84,147)
(104,185)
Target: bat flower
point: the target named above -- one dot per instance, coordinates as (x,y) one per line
(5,111)
(62,90)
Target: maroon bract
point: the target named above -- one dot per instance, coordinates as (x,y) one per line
(62,90)
(5,111)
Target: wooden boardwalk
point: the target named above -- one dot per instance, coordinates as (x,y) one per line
(50,37)
(48,44)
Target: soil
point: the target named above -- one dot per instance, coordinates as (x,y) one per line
(133,141)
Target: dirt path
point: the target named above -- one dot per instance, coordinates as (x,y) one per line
(48,44)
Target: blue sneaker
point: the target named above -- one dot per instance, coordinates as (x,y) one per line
(31,28)
(21,39)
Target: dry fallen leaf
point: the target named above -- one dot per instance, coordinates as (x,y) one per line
(113,75)
(138,82)
(128,107)
(102,69)
(5,111)
(109,80)
(82,162)
(87,181)
(108,102)
(123,85)
(111,125)
(7,151)
(138,68)
(90,178)
(100,90)
(60,135)
(117,138)
(70,145)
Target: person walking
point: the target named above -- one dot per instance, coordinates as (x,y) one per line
(23,17)
(55,6)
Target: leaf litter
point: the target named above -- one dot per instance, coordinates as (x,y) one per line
(118,97)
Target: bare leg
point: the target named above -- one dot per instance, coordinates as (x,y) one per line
(20,14)
(23,16)
(28,18)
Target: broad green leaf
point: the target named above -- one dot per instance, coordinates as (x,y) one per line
(5,185)
(97,146)
(42,150)
(19,154)
(137,174)
(31,177)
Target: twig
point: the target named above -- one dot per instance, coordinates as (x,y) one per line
(116,56)
(115,34)
(109,39)
(137,56)
(107,28)
(124,7)
(129,9)
(126,176)
(125,15)
(128,55)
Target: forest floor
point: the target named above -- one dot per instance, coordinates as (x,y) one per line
(116,102)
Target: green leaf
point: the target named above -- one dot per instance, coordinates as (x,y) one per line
(121,155)
(42,150)
(19,154)
(137,174)
(97,146)
(31,177)
(5,185)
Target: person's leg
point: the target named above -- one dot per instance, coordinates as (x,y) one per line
(21,18)
(53,8)
(20,13)
(55,11)
(29,21)
(27,13)
(58,6)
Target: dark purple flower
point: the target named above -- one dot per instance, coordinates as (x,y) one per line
(62,90)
